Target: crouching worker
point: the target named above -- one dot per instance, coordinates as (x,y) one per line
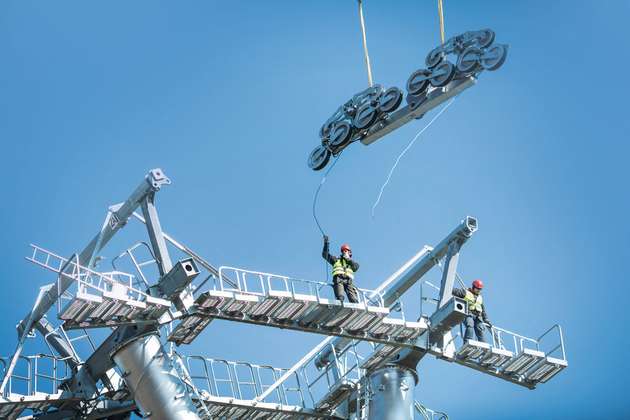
(343,269)
(477,319)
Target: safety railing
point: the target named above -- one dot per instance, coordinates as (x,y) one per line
(85,279)
(428,414)
(340,368)
(260,283)
(40,373)
(502,338)
(242,380)
(307,385)
(132,255)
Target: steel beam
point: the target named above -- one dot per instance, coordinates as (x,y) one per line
(459,235)
(448,274)
(155,234)
(407,113)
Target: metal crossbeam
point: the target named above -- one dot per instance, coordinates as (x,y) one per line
(408,113)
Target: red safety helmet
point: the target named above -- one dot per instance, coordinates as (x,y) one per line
(477,284)
(345,247)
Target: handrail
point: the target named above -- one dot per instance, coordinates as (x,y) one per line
(236,383)
(265,282)
(83,275)
(34,372)
(561,345)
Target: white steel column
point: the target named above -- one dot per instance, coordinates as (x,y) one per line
(392,393)
(151,377)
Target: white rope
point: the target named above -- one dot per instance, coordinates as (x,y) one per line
(391,171)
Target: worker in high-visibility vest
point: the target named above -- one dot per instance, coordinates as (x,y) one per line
(477,319)
(343,269)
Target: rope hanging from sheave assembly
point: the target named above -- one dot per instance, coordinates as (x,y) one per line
(391,171)
(365,48)
(315,197)
(405,150)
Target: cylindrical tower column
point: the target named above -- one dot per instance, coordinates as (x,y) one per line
(151,377)
(392,393)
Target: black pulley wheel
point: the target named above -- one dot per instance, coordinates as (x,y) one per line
(390,100)
(318,158)
(325,130)
(418,82)
(340,134)
(442,74)
(415,101)
(485,38)
(468,61)
(494,57)
(434,57)
(366,115)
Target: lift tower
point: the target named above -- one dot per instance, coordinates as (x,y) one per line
(113,338)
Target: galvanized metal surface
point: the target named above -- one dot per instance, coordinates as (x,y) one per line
(149,374)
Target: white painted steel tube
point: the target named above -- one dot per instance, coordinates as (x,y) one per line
(153,380)
(392,394)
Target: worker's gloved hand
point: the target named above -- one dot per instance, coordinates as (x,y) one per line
(489,324)
(325,238)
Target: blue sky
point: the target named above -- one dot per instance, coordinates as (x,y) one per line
(227,98)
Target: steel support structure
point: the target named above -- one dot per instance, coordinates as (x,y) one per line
(116,218)
(391,389)
(152,378)
(403,363)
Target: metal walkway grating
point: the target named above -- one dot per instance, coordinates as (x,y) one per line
(224,408)
(528,367)
(298,312)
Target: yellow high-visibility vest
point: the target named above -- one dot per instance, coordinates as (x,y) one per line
(341,267)
(474,301)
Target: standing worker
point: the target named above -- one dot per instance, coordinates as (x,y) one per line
(343,271)
(477,316)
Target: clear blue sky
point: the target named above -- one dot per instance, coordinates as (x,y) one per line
(227,98)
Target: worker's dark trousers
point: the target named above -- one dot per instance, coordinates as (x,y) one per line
(339,285)
(474,323)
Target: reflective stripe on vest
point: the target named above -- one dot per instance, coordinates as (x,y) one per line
(474,302)
(342,268)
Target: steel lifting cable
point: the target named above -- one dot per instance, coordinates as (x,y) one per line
(365,48)
(441,14)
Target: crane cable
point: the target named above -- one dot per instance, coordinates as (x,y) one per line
(441,14)
(365,48)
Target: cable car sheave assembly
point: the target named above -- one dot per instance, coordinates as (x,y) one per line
(373,112)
